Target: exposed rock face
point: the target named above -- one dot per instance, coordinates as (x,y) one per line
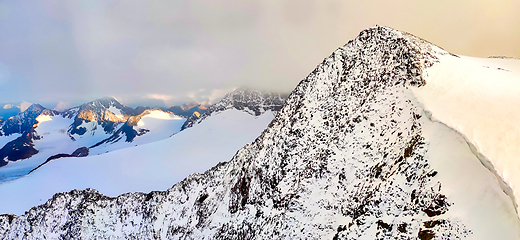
(128,130)
(344,155)
(251,101)
(97,111)
(80,152)
(18,149)
(24,124)
(188,110)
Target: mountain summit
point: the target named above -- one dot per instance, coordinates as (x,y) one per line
(352,154)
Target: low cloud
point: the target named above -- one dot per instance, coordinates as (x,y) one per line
(61,106)
(24,105)
(167,50)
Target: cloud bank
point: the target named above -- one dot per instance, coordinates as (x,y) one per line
(167,50)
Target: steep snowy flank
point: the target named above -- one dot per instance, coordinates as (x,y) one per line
(351,155)
(480,98)
(248,100)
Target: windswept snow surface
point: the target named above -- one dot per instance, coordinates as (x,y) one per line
(144,168)
(160,125)
(480,98)
(477,197)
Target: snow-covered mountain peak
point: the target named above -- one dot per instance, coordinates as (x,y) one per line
(107,113)
(351,154)
(106,102)
(23,122)
(34,107)
(95,110)
(248,100)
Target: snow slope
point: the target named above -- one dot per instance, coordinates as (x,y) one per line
(480,98)
(358,151)
(52,131)
(158,124)
(144,168)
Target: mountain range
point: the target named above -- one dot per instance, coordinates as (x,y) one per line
(154,166)
(38,135)
(390,137)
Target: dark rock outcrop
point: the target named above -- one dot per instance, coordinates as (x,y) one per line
(80,152)
(18,149)
(23,122)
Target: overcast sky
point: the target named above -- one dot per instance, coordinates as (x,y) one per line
(173,51)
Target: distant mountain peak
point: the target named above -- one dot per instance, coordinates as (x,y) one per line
(244,99)
(24,121)
(105,102)
(250,100)
(35,107)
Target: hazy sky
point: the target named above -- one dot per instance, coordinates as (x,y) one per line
(174,51)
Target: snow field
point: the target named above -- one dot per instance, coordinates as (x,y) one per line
(143,168)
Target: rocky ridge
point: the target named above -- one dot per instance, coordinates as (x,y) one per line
(24,124)
(97,111)
(343,159)
(251,101)
(128,130)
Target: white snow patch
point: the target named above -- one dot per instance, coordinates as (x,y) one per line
(160,125)
(480,98)
(117,112)
(43,118)
(475,192)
